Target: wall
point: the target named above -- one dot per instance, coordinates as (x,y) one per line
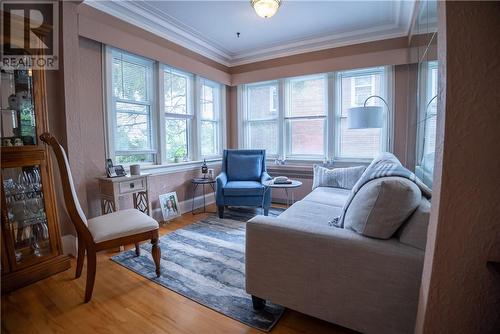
(460,293)
(378,53)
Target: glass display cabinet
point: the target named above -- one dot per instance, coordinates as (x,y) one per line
(31,246)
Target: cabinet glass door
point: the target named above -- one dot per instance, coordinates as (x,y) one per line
(18,126)
(24,216)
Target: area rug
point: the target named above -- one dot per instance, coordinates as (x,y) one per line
(205,262)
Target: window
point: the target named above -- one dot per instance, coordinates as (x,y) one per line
(177,87)
(261,121)
(132,98)
(160,115)
(426,137)
(354,88)
(210,118)
(306,119)
(306,116)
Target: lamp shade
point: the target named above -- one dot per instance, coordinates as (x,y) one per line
(365,117)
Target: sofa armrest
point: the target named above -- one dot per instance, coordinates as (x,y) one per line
(294,262)
(265,177)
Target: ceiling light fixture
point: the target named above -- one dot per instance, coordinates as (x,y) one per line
(265,8)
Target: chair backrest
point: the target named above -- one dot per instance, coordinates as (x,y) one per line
(70,198)
(244,165)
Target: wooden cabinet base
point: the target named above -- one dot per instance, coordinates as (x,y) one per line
(20,278)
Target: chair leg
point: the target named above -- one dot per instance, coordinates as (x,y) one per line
(80,258)
(220,210)
(137,249)
(91,268)
(156,252)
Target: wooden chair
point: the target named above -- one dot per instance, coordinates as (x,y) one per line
(103,232)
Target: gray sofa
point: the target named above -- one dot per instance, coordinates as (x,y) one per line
(300,261)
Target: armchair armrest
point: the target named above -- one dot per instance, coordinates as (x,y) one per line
(265,177)
(221,180)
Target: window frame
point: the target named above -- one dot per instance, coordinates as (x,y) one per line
(189,116)
(246,121)
(159,115)
(332,124)
(218,117)
(289,118)
(111,101)
(425,111)
(386,93)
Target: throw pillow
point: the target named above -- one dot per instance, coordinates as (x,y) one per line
(381,206)
(344,178)
(244,167)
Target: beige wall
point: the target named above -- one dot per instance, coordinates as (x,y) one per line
(109,30)
(460,292)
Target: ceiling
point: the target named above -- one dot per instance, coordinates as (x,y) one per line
(210,27)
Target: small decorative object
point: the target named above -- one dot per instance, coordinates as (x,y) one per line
(210,173)
(18,142)
(114,171)
(204,168)
(135,169)
(6,142)
(169,206)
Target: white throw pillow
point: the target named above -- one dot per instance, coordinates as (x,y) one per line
(344,178)
(381,206)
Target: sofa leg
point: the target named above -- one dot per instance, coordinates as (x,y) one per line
(258,303)
(220,210)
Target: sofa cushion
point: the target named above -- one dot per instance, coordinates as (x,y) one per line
(310,212)
(344,178)
(414,230)
(243,188)
(244,167)
(381,206)
(328,196)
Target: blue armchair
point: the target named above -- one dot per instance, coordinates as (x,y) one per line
(240,181)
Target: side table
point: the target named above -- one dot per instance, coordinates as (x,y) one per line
(112,189)
(201,181)
(286,186)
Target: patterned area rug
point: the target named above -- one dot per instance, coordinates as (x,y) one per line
(205,262)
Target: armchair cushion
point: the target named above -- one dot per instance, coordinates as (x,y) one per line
(243,188)
(120,224)
(244,167)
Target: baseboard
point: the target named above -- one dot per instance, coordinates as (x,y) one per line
(185,206)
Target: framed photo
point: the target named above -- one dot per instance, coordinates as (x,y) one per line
(169,206)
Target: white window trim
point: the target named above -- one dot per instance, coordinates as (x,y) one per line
(219,119)
(158,115)
(110,101)
(387,132)
(331,122)
(244,121)
(288,117)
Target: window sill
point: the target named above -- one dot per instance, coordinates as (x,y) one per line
(306,165)
(178,167)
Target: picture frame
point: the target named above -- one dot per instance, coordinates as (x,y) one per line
(169,205)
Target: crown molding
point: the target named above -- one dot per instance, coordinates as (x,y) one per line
(164,25)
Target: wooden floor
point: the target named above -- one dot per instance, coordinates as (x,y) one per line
(124,302)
